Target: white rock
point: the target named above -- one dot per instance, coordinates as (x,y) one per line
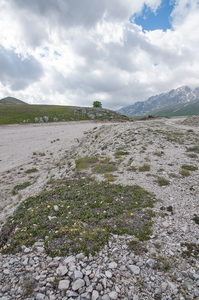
(40,249)
(56,208)
(165,224)
(61,270)
(134,269)
(69,259)
(172,285)
(185,228)
(27,250)
(63,284)
(77,274)
(164,286)
(71,294)
(40,296)
(77,284)
(89,288)
(112,265)
(113,295)
(85,296)
(106,297)
(150,263)
(135,297)
(80,256)
(108,274)
(50,218)
(95,295)
(104,282)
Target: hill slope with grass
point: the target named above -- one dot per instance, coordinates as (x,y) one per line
(11,100)
(16,114)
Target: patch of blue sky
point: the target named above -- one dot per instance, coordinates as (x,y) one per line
(46,51)
(160,19)
(56,53)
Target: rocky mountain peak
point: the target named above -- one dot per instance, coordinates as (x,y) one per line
(182,94)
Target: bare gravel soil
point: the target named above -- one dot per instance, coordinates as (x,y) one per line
(159,155)
(34,146)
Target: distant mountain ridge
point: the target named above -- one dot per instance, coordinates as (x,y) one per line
(182,94)
(11,100)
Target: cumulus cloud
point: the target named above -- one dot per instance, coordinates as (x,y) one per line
(74,52)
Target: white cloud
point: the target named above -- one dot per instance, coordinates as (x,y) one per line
(74,52)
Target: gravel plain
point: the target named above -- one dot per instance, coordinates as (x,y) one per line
(164,267)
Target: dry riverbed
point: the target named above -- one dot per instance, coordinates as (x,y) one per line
(161,156)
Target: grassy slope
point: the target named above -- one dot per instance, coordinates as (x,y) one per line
(15,114)
(182,109)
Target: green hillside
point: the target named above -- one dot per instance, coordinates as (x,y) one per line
(16,114)
(181,109)
(11,100)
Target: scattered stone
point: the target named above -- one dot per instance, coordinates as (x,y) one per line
(134,269)
(113,295)
(63,284)
(56,208)
(79,283)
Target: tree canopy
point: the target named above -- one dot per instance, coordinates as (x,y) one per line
(97,104)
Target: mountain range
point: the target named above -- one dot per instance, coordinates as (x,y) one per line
(183,94)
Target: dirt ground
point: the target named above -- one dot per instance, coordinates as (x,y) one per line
(27,146)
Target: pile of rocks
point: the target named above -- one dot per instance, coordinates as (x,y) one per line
(116,272)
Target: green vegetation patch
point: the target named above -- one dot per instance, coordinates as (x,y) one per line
(158,153)
(85,162)
(88,212)
(192,155)
(137,247)
(119,153)
(189,167)
(184,172)
(31,170)
(105,166)
(20,187)
(193,149)
(109,177)
(163,264)
(190,250)
(196,219)
(162,181)
(144,168)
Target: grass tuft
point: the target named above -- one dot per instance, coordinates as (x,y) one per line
(189,167)
(31,170)
(20,187)
(85,162)
(184,172)
(162,181)
(193,149)
(144,168)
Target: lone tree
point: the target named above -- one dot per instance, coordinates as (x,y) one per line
(97,104)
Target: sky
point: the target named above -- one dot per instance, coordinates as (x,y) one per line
(74,52)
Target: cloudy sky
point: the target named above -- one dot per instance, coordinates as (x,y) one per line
(74,52)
